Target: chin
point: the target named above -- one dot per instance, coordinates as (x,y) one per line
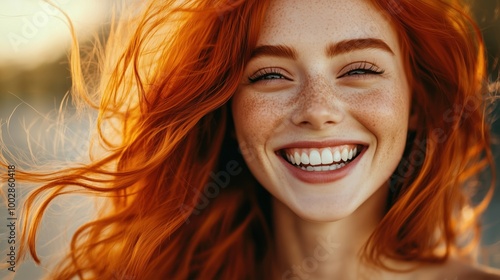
(332,207)
(319,210)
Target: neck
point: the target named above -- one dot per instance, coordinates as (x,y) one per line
(313,250)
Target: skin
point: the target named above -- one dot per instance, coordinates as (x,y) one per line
(316,97)
(314,104)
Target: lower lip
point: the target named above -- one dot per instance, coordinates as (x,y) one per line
(318,177)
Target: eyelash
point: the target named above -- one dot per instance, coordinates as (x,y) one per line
(265,73)
(365,67)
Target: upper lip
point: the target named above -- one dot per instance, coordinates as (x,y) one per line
(321,144)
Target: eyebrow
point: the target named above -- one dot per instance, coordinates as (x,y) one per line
(357,44)
(274,50)
(333,49)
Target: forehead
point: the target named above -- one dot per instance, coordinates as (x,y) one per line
(290,21)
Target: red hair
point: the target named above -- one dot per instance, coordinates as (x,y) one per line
(172,211)
(445,64)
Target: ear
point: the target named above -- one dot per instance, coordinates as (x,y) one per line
(413,119)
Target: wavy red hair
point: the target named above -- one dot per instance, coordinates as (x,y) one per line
(164,123)
(432,205)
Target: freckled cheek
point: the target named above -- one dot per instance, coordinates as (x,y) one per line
(384,115)
(255,120)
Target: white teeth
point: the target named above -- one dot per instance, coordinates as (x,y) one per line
(326,156)
(345,154)
(322,159)
(336,156)
(297,158)
(314,158)
(334,166)
(304,158)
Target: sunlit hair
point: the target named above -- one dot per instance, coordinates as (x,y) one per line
(432,213)
(165,135)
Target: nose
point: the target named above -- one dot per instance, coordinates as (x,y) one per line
(318,106)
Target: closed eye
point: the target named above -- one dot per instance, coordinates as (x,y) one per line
(267,74)
(360,69)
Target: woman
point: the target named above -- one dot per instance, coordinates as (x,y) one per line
(358,125)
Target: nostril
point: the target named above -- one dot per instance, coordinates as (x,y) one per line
(317,117)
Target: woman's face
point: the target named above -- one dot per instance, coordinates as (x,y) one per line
(322,111)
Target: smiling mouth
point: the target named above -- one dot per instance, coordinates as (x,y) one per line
(321,159)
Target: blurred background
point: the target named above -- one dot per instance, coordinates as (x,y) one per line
(34,77)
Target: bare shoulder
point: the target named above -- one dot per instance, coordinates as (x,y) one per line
(457,269)
(482,272)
